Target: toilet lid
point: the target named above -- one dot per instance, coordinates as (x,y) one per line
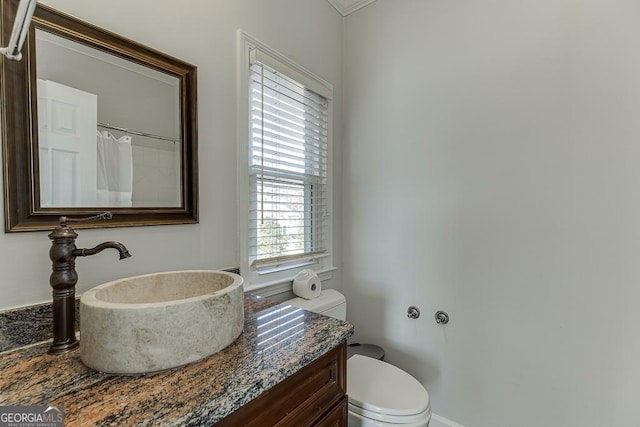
(380,387)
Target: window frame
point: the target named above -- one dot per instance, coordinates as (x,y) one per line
(256,278)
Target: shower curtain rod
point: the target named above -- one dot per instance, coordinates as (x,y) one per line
(135,132)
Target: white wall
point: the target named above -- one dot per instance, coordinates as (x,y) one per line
(203,33)
(156,176)
(492,169)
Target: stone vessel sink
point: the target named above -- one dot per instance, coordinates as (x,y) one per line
(158,321)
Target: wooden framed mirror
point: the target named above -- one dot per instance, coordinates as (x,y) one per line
(91,122)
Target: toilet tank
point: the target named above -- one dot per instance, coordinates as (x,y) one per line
(330,303)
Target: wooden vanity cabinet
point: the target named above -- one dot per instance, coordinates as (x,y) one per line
(313,396)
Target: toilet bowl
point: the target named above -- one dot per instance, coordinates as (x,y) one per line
(380,394)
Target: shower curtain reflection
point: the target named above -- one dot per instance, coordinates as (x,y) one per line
(115,170)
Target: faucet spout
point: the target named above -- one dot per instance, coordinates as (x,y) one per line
(124,252)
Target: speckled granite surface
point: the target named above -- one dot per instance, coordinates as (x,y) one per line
(27,325)
(278,340)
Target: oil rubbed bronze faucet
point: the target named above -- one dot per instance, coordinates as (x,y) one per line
(64,277)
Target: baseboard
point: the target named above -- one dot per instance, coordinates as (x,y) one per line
(438,421)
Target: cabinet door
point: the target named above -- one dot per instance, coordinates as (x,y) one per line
(337,417)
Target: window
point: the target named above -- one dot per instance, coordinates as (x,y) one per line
(286,143)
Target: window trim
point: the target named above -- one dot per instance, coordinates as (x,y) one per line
(274,274)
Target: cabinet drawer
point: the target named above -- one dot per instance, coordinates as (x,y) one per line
(301,399)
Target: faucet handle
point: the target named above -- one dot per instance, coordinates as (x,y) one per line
(105,215)
(63,231)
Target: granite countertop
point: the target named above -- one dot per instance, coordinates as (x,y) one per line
(278,340)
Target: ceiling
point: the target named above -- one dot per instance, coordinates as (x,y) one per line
(346,7)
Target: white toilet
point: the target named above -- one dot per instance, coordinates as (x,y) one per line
(380,394)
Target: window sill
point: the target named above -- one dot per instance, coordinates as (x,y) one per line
(285,284)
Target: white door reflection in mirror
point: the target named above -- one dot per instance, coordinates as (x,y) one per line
(67,119)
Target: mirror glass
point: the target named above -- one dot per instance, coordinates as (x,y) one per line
(108,129)
(92,121)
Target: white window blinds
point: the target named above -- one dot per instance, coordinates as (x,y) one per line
(288,169)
